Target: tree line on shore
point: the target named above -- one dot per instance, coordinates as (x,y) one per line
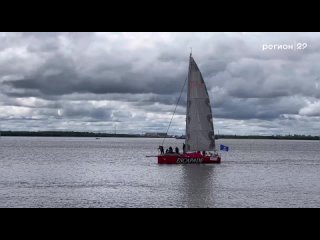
(100,135)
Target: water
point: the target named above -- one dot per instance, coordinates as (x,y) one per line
(114,172)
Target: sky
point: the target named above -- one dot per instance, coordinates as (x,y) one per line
(259,83)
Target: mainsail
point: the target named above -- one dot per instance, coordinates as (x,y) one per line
(199,130)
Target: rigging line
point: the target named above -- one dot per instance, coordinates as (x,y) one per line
(174,112)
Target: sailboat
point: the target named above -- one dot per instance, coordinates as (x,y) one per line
(200,146)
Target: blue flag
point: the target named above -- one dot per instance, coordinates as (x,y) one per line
(224,148)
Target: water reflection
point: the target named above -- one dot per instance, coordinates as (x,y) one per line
(199,185)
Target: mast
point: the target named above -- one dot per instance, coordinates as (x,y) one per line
(188,99)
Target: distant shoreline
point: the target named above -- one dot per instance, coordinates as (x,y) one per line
(108,135)
(66,134)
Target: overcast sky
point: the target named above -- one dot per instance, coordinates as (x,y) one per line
(131,81)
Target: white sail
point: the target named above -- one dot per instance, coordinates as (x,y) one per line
(199,130)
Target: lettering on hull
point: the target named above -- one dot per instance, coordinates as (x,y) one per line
(189,160)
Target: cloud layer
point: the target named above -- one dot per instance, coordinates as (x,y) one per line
(100,81)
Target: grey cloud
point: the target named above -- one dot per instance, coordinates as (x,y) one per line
(59,76)
(145,72)
(88,112)
(268,109)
